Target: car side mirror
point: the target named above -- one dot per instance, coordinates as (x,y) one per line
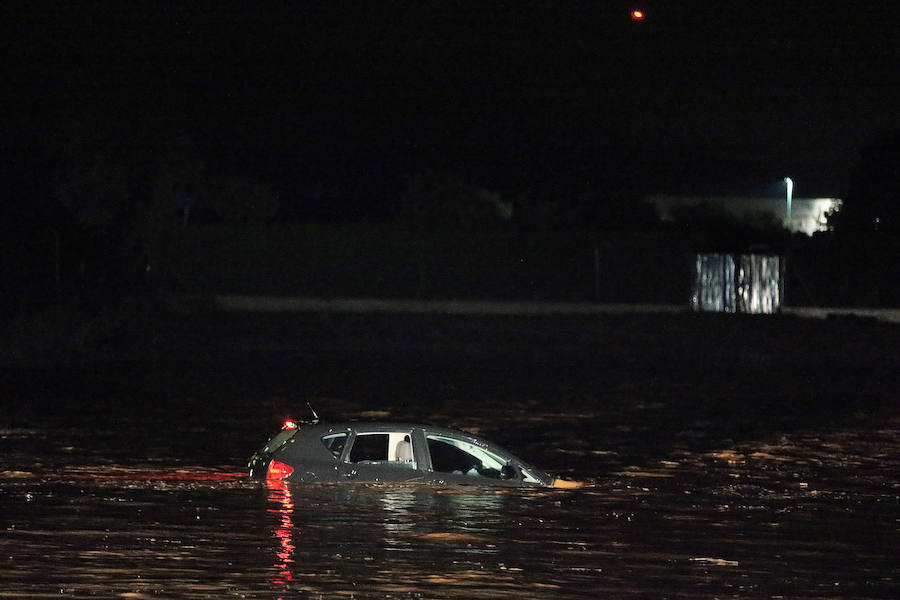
(507,471)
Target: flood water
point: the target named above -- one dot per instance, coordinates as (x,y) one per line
(129,483)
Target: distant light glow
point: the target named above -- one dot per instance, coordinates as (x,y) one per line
(290,424)
(637,15)
(790,192)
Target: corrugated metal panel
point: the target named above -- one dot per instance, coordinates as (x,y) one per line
(746,283)
(714,283)
(759,283)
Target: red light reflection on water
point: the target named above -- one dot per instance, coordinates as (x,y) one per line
(137,474)
(280,495)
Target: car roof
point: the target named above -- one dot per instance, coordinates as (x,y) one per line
(384,426)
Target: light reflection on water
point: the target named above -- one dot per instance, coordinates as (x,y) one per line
(280,495)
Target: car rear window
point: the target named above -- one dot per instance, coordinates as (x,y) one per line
(279,440)
(335,443)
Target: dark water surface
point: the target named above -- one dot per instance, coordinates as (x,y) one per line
(128,483)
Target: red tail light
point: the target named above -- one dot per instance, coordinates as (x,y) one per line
(278,470)
(290,424)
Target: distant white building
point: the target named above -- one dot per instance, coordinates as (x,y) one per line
(808,215)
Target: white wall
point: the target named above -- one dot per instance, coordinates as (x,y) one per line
(807,214)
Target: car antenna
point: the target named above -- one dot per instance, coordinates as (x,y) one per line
(315,418)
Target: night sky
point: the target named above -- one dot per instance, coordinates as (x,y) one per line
(550,98)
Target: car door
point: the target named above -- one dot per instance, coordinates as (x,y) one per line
(381,456)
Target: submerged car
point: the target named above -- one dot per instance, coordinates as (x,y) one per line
(392,452)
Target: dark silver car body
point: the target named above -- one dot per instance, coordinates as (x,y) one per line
(390,452)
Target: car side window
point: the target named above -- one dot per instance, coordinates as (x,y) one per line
(369,447)
(394,448)
(335,443)
(451,455)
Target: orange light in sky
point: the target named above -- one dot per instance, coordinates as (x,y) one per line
(637,15)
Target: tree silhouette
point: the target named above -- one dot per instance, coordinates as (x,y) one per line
(872,201)
(440,201)
(123,177)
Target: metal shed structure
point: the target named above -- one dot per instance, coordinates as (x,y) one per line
(742,283)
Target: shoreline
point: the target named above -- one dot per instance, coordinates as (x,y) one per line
(277,304)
